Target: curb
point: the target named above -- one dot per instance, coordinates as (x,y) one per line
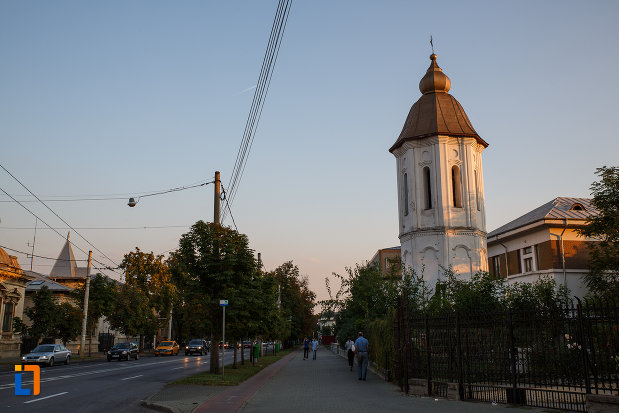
(156,406)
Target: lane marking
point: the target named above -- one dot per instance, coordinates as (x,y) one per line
(105,370)
(38,399)
(132,377)
(176,368)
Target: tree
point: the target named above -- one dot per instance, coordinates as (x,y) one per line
(101,300)
(148,282)
(50,319)
(42,316)
(212,263)
(603,277)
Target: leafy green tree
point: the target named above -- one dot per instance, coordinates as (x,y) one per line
(212,263)
(102,296)
(42,316)
(603,278)
(68,322)
(148,279)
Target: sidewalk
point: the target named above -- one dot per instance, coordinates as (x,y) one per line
(321,385)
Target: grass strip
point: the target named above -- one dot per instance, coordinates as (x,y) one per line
(233,376)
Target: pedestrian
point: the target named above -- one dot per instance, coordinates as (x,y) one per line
(362,348)
(314,347)
(350,351)
(306,344)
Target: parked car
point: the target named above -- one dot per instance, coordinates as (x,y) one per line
(123,351)
(48,354)
(246,344)
(196,346)
(167,347)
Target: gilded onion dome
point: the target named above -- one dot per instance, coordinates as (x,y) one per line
(436,112)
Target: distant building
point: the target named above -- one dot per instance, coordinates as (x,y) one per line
(12,297)
(544,242)
(441,208)
(389,261)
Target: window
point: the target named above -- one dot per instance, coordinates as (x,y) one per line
(496,266)
(477,197)
(526,250)
(577,207)
(427,188)
(405,186)
(456,187)
(7,320)
(528,264)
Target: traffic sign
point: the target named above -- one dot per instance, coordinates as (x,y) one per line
(223,303)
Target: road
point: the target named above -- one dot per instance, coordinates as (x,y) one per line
(100,385)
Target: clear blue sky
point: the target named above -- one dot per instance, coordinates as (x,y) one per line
(123,97)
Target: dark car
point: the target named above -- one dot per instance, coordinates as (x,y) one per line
(196,346)
(123,351)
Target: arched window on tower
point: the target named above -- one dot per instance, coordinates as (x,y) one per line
(427,188)
(405,189)
(477,195)
(456,187)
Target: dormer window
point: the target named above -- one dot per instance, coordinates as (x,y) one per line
(577,207)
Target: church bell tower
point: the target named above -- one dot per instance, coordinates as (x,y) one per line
(442,219)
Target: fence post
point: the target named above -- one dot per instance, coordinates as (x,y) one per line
(459,350)
(512,360)
(428,353)
(585,364)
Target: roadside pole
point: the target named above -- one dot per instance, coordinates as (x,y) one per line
(223,304)
(86,295)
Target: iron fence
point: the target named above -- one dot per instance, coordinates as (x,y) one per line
(547,358)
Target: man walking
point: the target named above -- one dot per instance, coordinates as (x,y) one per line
(306,344)
(362,348)
(314,347)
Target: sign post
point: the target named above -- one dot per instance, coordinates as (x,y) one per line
(223,304)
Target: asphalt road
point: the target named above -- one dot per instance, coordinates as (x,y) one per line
(100,385)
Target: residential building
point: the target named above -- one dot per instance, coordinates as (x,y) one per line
(389,261)
(12,297)
(544,242)
(441,208)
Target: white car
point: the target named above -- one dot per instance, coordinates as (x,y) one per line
(47,354)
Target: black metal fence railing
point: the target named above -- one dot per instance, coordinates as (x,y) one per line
(548,359)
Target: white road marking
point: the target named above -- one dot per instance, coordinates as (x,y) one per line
(176,368)
(38,399)
(132,377)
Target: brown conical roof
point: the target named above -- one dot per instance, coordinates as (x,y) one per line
(436,112)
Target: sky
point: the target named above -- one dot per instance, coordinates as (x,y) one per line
(122,98)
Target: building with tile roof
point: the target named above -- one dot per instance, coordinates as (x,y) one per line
(544,242)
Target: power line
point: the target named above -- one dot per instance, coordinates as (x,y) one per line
(58,216)
(62,236)
(262,87)
(228,205)
(38,256)
(104,228)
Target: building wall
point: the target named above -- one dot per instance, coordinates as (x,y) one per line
(542,246)
(446,234)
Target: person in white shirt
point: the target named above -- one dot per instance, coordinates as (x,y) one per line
(350,351)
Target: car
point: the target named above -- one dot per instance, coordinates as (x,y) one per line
(246,344)
(47,355)
(123,351)
(167,347)
(227,345)
(196,346)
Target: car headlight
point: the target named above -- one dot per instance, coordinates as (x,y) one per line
(199,348)
(43,357)
(124,352)
(186,348)
(23,358)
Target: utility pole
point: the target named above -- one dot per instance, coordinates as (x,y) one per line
(217,198)
(86,294)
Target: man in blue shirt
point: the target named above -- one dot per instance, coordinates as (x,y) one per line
(362,348)
(306,344)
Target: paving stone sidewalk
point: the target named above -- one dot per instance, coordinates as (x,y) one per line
(321,385)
